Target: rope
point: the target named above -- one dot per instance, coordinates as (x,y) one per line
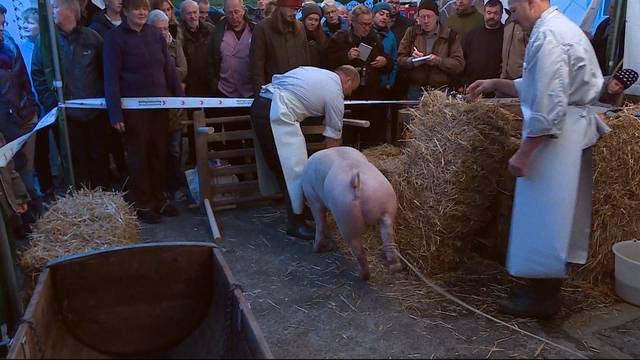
(446,294)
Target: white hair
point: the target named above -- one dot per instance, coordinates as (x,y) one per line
(155,15)
(326,3)
(187,2)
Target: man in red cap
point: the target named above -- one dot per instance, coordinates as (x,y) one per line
(279,44)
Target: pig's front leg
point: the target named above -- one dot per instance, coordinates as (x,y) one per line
(319,213)
(388,236)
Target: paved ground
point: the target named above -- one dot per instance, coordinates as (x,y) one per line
(311,305)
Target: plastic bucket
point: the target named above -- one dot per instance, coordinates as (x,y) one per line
(627,270)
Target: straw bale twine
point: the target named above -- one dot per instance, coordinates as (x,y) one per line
(82,221)
(446,176)
(616,196)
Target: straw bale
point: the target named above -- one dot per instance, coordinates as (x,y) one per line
(616,196)
(446,176)
(82,221)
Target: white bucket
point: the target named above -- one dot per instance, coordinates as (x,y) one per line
(627,273)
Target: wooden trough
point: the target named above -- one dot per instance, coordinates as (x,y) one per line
(165,300)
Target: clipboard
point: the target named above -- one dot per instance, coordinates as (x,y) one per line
(365,51)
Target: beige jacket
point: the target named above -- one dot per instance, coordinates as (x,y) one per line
(513,46)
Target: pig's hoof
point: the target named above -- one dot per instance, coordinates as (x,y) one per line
(323,246)
(395,267)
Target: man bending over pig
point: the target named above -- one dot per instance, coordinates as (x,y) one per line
(276,115)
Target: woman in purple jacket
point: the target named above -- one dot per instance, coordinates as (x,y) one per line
(137,64)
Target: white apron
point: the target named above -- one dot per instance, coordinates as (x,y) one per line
(551,219)
(286,114)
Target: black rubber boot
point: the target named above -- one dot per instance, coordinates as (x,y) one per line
(539,298)
(301,231)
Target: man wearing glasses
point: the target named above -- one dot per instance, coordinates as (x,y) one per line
(347,47)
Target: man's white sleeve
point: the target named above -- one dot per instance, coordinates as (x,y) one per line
(333,114)
(548,81)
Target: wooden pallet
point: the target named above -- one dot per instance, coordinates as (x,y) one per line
(243,187)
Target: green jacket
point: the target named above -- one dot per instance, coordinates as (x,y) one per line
(466,22)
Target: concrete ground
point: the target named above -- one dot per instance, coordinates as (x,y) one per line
(311,305)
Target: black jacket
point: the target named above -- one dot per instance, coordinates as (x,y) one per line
(101,24)
(17,102)
(336,55)
(81,65)
(195,48)
(400,26)
(213,53)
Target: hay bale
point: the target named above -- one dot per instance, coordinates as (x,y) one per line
(84,220)
(616,196)
(446,176)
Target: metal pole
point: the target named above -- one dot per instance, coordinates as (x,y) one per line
(617,26)
(65,148)
(9,279)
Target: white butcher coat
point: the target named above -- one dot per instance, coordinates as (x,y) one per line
(551,217)
(296,95)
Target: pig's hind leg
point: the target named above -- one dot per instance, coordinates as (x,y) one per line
(351,225)
(388,236)
(319,212)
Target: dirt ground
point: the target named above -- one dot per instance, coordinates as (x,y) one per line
(311,305)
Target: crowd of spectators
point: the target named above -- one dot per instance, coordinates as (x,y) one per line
(141,48)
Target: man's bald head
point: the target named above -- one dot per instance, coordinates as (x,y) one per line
(527,12)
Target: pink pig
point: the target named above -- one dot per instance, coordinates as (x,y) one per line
(342,180)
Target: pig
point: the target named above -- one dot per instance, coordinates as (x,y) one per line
(342,180)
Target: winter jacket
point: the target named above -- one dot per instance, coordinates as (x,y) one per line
(81,65)
(337,54)
(463,23)
(101,24)
(195,44)
(513,45)
(325,26)
(18,107)
(13,193)
(276,47)
(482,49)
(390,48)
(176,116)
(399,26)
(137,64)
(214,54)
(447,46)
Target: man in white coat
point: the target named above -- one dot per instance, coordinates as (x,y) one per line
(276,114)
(551,217)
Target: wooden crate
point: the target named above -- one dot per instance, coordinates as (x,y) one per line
(234,144)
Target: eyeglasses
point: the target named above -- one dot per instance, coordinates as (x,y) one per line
(365,25)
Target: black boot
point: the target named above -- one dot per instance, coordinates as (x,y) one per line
(540,299)
(301,231)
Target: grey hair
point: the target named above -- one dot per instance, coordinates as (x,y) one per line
(72,5)
(359,10)
(156,15)
(185,3)
(326,3)
(224,3)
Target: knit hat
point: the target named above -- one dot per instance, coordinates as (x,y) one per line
(382,5)
(429,5)
(289,3)
(626,77)
(309,9)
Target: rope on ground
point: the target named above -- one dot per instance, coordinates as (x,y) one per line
(446,294)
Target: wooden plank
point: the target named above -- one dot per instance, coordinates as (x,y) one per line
(231,135)
(232,170)
(356,123)
(312,147)
(232,153)
(212,222)
(227,119)
(242,186)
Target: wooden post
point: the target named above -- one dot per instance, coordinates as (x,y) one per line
(202,155)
